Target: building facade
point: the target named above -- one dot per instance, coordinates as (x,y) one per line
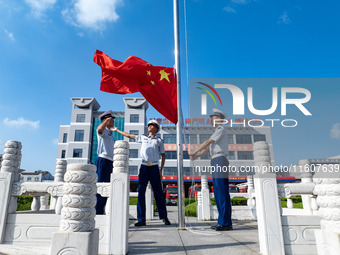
(77,141)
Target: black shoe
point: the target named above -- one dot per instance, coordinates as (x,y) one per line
(213,227)
(223,228)
(140,223)
(166,221)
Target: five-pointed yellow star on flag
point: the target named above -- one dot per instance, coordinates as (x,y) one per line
(148,72)
(152,82)
(164,75)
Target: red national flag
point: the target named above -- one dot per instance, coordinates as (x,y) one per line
(156,83)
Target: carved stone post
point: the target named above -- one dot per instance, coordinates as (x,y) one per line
(119,202)
(251,199)
(8,175)
(267,203)
(149,202)
(44,202)
(205,198)
(77,234)
(327,190)
(199,206)
(11,163)
(308,201)
(56,199)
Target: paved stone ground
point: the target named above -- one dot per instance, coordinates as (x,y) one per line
(156,238)
(199,238)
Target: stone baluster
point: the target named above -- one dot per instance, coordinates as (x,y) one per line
(119,202)
(267,203)
(149,202)
(11,163)
(205,195)
(77,234)
(9,173)
(44,202)
(327,190)
(199,205)
(59,178)
(251,198)
(306,177)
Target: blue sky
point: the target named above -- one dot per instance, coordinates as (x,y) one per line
(47,48)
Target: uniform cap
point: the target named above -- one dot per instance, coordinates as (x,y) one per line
(154,123)
(105,115)
(219,113)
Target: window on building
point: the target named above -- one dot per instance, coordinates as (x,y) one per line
(80,118)
(170,171)
(63,153)
(133,132)
(171,154)
(230,139)
(258,138)
(133,170)
(186,171)
(65,138)
(191,138)
(186,155)
(133,153)
(36,179)
(29,178)
(231,155)
(77,153)
(245,155)
(79,136)
(243,139)
(134,118)
(169,138)
(21,178)
(204,137)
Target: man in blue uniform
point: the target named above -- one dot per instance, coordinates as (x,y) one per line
(218,147)
(104,162)
(151,150)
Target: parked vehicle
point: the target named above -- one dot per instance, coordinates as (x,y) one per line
(171,194)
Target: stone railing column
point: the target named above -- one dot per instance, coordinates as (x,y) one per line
(199,206)
(56,199)
(327,190)
(9,174)
(77,234)
(267,203)
(119,202)
(149,202)
(308,201)
(251,199)
(11,163)
(205,195)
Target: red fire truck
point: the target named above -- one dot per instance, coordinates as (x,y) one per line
(171,194)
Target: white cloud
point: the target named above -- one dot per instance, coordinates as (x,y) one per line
(284,19)
(10,35)
(39,6)
(229,9)
(240,1)
(335,131)
(22,123)
(92,14)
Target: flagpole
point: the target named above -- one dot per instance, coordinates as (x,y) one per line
(180,183)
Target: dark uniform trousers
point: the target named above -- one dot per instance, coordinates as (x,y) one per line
(221,191)
(104,171)
(146,174)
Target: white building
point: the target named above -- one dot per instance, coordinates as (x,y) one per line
(77,141)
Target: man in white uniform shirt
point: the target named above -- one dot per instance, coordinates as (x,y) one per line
(151,150)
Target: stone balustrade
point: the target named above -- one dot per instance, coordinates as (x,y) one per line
(77,225)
